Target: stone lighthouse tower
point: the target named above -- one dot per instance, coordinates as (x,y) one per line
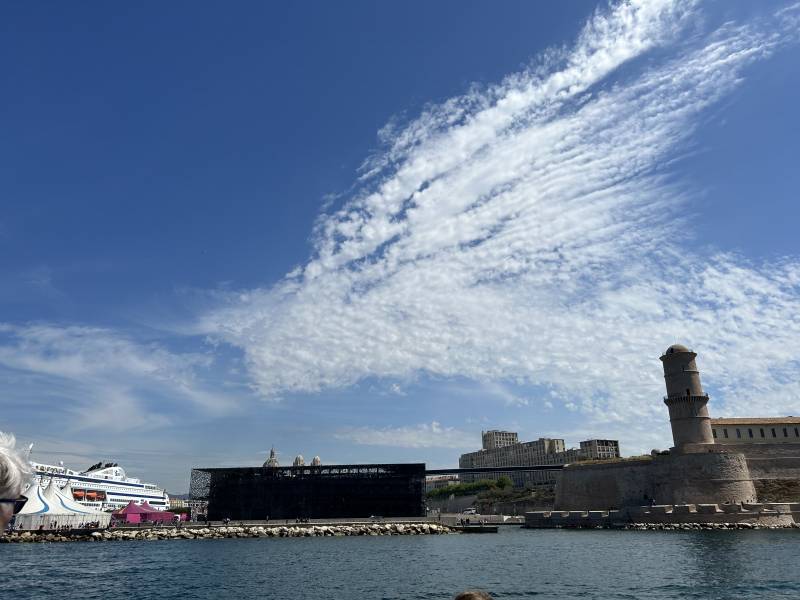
(686,401)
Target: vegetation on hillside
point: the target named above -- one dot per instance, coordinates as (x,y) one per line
(539,494)
(467,489)
(490,492)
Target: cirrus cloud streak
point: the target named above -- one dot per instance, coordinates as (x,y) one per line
(535,232)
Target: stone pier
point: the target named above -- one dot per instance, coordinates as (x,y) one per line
(723,516)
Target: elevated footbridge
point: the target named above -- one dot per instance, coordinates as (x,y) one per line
(476,470)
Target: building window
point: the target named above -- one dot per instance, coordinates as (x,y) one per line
(773,433)
(714,432)
(725,432)
(738,432)
(785,432)
(795,432)
(761,431)
(750,432)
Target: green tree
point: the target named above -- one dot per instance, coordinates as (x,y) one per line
(505,482)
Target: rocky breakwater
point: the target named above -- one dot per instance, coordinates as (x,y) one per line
(703,526)
(242,531)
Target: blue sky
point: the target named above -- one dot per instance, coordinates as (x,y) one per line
(370,230)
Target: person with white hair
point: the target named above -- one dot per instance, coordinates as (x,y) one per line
(14,475)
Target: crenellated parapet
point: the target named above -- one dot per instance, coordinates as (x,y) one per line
(728,515)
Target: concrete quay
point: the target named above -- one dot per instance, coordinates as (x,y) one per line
(457,519)
(230,531)
(666,516)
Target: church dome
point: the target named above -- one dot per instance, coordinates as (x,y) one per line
(316,461)
(299,461)
(272,461)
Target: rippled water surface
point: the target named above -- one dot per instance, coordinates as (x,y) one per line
(512,564)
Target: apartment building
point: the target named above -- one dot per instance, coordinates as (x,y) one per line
(600,449)
(498,439)
(544,451)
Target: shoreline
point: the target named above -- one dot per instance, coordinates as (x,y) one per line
(339,530)
(229,531)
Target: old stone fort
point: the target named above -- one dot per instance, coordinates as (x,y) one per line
(711,463)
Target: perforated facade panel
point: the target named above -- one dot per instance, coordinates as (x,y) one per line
(314,492)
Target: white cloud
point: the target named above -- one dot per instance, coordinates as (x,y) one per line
(103,378)
(419,436)
(532,233)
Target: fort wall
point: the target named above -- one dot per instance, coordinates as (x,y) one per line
(770,461)
(702,478)
(775,469)
(666,479)
(602,486)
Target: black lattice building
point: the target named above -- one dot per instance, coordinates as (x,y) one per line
(313,492)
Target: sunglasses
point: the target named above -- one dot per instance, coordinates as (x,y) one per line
(17,502)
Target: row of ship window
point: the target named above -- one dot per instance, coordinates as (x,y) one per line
(761,432)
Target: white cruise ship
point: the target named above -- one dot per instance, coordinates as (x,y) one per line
(103,486)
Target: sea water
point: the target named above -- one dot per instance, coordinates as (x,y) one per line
(515,563)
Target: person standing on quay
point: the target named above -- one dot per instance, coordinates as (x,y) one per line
(14,474)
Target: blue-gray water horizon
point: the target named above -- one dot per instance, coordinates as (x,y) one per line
(542,564)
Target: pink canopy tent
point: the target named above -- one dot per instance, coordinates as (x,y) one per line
(155,515)
(133,513)
(139,513)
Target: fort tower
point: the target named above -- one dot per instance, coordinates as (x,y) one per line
(695,471)
(686,400)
